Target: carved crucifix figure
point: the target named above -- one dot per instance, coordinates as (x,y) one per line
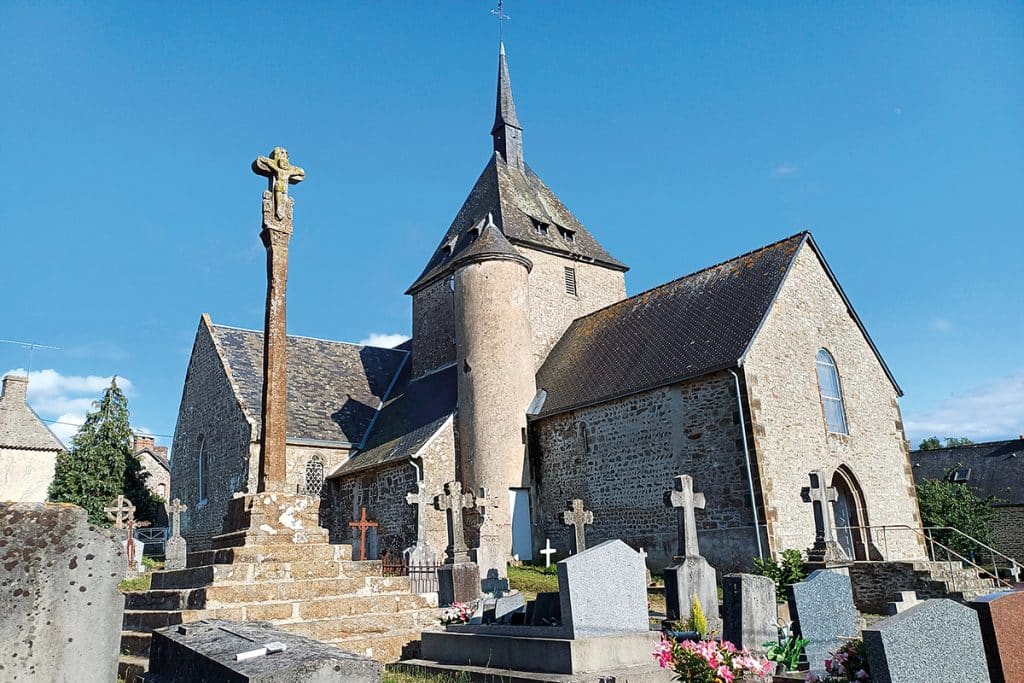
(364,525)
(578,518)
(280,174)
(686,502)
(453,501)
(821,496)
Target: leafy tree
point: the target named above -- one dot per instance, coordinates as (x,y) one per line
(957,441)
(933,443)
(100,464)
(946,503)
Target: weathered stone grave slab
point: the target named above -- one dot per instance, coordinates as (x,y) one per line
(749,611)
(602,591)
(209,651)
(58,595)
(822,609)
(1001,617)
(175,548)
(938,641)
(689,575)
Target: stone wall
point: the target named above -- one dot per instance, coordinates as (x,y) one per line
(786,411)
(552,309)
(621,457)
(157,475)
(25,475)
(382,490)
(1008,531)
(433,328)
(875,584)
(210,410)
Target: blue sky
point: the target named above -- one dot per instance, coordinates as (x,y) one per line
(681,134)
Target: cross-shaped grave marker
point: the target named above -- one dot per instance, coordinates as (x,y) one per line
(687,502)
(422,500)
(175,548)
(453,501)
(821,496)
(577,517)
(547,552)
(120,512)
(363,524)
(176,508)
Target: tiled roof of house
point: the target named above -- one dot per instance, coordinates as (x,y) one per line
(991,469)
(690,327)
(334,388)
(414,412)
(20,427)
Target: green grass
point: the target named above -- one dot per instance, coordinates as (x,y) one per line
(139,583)
(405,677)
(532,580)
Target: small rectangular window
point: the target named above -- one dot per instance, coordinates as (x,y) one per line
(567,235)
(570,281)
(539,227)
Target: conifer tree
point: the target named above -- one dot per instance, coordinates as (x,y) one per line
(100,464)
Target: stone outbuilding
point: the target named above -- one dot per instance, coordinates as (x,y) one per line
(155,462)
(28,449)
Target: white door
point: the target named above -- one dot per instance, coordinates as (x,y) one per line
(522,533)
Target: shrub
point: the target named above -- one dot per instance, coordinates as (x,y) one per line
(787,571)
(698,621)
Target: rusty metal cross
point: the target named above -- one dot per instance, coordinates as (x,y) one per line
(363,525)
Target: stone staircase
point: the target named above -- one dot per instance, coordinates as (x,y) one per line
(306,586)
(875,583)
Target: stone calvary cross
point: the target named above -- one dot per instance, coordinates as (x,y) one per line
(826,548)
(363,525)
(280,173)
(454,501)
(422,500)
(121,512)
(686,502)
(176,508)
(578,518)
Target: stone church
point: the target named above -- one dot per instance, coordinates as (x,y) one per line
(533,379)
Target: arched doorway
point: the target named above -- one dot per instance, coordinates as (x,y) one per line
(850,514)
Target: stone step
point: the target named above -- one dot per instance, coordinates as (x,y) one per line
(259,538)
(147,620)
(248,572)
(156,600)
(360,625)
(275,553)
(136,643)
(220,595)
(130,668)
(339,607)
(387,648)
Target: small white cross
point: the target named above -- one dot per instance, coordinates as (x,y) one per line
(643,555)
(547,552)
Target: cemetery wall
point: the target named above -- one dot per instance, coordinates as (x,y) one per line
(552,309)
(433,328)
(1007,536)
(383,489)
(621,457)
(875,584)
(209,419)
(788,424)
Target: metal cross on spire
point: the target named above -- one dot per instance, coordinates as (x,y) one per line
(499,12)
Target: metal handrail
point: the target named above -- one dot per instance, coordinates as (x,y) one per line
(1014,567)
(884,528)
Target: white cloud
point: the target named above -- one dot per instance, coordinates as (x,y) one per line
(985,413)
(384,339)
(783,169)
(941,325)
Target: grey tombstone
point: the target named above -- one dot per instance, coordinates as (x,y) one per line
(749,611)
(506,606)
(823,612)
(58,595)
(209,651)
(544,610)
(938,641)
(175,548)
(601,591)
(689,574)
(578,519)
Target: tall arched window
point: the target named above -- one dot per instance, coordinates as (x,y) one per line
(204,470)
(314,476)
(831,393)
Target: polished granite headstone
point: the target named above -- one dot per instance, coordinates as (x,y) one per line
(749,611)
(823,613)
(1001,616)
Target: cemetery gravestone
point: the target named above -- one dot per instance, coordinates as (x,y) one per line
(209,651)
(689,574)
(598,600)
(1001,617)
(749,611)
(459,579)
(362,525)
(58,595)
(938,641)
(578,518)
(823,613)
(826,550)
(175,548)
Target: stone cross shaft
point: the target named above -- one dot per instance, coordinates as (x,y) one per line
(454,501)
(364,525)
(578,518)
(422,500)
(821,496)
(121,512)
(176,508)
(276,232)
(687,502)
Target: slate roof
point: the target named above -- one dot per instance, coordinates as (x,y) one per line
(701,323)
(997,467)
(159,458)
(21,428)
(334,388)
(414,412)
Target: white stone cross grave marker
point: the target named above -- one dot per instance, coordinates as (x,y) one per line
(547,552)
(687,502)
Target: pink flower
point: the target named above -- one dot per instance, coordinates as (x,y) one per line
(725,673)
(862,674)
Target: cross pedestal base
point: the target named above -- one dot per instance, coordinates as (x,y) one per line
(827,554)
(459,582)
(271,518)
(686,577)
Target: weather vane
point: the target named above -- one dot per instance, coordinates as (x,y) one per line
(499,12)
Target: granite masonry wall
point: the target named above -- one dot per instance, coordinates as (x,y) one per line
(552,309)
(788,423)
(157,475)
(209,419)
(433,328)
(383,489)
(621,457)
(1008,531)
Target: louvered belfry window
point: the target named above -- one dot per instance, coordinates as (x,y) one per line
(831,393)
(570,280)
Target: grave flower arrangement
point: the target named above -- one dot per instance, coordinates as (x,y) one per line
(458,613)
(848,664)
(709,661)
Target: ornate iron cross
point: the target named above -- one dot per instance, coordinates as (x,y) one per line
(499,12)
(363,525)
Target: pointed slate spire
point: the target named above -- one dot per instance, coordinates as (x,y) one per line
(507,133)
